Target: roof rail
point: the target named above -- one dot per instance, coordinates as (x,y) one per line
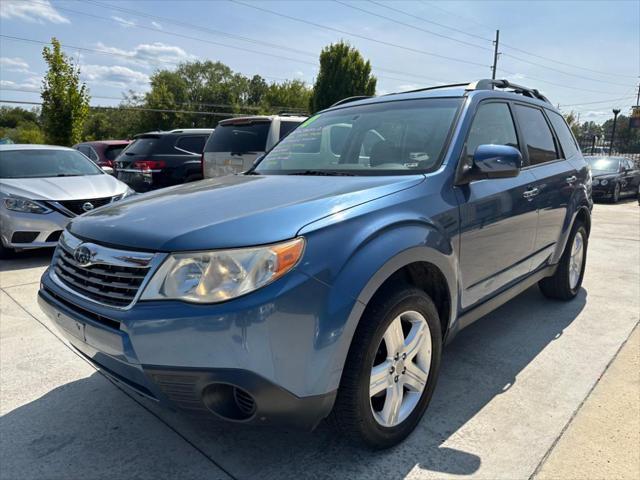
(292,114)
(489,84)
(350,99)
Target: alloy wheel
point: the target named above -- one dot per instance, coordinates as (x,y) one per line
(400,369)
(575,261)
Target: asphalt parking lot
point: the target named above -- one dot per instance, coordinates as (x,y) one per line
(510,385)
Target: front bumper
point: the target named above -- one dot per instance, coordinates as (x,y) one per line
(47,226)
(266,348)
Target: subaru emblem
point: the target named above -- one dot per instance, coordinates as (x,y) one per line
(83,255)
(87,206)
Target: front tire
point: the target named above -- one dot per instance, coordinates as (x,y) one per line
(391,370)
(566,282)
(616,193)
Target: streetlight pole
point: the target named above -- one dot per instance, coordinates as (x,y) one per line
(616,111)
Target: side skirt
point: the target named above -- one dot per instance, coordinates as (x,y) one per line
(488,306)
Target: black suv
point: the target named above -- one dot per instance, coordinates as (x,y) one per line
(161,159)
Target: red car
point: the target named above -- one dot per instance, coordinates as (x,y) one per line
(102,152)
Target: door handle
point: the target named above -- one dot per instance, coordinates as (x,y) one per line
(571,179)
(531,193)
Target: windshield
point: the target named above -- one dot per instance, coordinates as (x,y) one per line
(390,138)
(45,163)
(604,164)
(245,137)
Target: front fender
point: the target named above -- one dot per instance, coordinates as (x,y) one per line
(355,256)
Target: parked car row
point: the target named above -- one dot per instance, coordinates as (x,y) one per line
(614,177)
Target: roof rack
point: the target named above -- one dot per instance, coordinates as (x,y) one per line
(292,114)
(350,99)
(489,84)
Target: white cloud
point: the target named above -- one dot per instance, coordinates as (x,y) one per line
(156,24)
(29,83)
(114,76)
(15,64)
(150,54)
(38,12)
(124,22)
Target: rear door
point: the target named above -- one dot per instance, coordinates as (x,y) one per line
(498,217)
(556,176)
(234,146)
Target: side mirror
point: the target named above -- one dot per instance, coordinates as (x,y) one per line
(108,170)
(496,161)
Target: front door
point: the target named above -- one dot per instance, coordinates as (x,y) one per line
(498,217)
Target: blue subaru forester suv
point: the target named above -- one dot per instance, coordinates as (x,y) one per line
(326,279)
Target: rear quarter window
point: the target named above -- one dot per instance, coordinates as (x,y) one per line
(191,144)
(567,142)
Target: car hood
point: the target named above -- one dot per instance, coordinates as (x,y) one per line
(232,211)
(63,188)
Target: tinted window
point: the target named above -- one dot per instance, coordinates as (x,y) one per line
(88,151)
(143,145)
(286,128)
(537,136)
(193,144)
(112,152)
(492,125)
(239,137)
(45,163)
(564,134)
(386,138)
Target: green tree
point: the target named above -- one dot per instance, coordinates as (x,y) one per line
(293,96)
(343,73)
(65,100)
(11,117)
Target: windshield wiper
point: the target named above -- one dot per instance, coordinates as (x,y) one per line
(68,175)
(324,173)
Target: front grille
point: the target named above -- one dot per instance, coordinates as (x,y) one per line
(77,206)
(112,285)
(54,236)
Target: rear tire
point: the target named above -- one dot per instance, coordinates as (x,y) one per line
(567,280)
(401,378)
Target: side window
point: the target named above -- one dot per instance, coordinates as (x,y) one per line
(565,136)
(492,125)
(537,136)
(192,144)
(286,128)
(88,151)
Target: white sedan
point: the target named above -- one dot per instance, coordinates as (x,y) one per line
(42,188)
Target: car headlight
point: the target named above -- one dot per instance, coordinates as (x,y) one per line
(216,276)
(24,205)
(596,182)
(604,182)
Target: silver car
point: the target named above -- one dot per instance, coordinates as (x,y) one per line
(42,188)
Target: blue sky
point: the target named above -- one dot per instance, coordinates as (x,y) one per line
(584,55)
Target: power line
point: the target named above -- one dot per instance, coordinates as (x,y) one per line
(563,72)
(351,34)
(369,12)
(512,47)
(142,109)
(198,104)
(596,103)
(411,15)
(254,40)
(569,87)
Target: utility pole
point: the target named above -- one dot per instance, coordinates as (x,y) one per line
(638,97)
(616,111)
(495,55)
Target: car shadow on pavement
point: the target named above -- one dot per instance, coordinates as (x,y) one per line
(482,363)
(26,259)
